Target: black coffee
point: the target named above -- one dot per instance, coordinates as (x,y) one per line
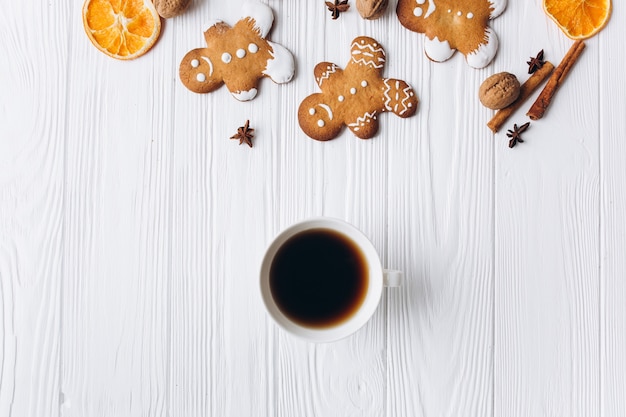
(319,278)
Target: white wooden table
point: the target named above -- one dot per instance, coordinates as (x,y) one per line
(132,228)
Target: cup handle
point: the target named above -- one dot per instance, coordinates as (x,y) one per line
(392,278)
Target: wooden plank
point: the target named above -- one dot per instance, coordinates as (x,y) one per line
(224,206)
(612,107)
(34,86)
(546,211)
(440,217)
(117,233)
(343,178)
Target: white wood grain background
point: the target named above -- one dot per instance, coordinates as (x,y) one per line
(132,228)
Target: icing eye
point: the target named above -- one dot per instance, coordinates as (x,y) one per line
(241,53)
(470,15)
(320,123)
(417,12)
(421,1)
(253,48)
(226,57)
(459,13)
(195,63)
(201,77)
(353,90)
(341,98)
(311,111)
(363,83)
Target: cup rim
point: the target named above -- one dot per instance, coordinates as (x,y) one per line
(372,297)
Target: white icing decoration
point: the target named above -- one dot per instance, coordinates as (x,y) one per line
(431,8)
(326,75)
(374,49)
(261,14)
(253,48)
(353,90)
(328,110)
(311,111)
(241,53)
(245,95)
(362,119)
(470,15)
(280,67)
(320,123)
(226,57)
(195,63)
(437,50)
(459,13)
(363,83)
(418,11)
(449,10)
(482,56)
(341,98)
(208,61)
(421,1)
(497,7)
(201,77)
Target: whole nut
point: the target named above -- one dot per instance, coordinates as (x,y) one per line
(499,90)
(371,9)
(170,8)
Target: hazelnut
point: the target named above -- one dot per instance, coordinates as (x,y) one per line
(371,9)
(499,90)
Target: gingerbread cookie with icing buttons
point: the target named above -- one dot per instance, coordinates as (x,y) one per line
(238,56)
(354,97)
(454,25)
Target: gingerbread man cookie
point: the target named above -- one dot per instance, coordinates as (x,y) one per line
(454,25)
(238,56)
(355,96)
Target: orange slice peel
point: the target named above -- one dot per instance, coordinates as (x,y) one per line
(122,29)
(579,19)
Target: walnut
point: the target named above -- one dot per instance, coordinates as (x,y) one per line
(371,9)
(170,8)
(499,90)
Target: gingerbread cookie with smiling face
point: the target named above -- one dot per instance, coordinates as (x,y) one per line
(238,56)
(454,25)
(356,96)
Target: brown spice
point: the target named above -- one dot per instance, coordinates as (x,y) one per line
(516,134)
(545,97)
(337,7)
(535,63)
(526,90)
(244,134)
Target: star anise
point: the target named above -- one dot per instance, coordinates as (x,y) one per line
(337,7)
(244,134)
(516,134)
(535,63)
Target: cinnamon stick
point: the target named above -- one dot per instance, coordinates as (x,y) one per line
(540,105)
(526,91)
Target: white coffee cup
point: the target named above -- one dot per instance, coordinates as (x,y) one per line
(378,278)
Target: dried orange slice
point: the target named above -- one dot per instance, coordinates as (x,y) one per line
(579,19)
(122,29)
